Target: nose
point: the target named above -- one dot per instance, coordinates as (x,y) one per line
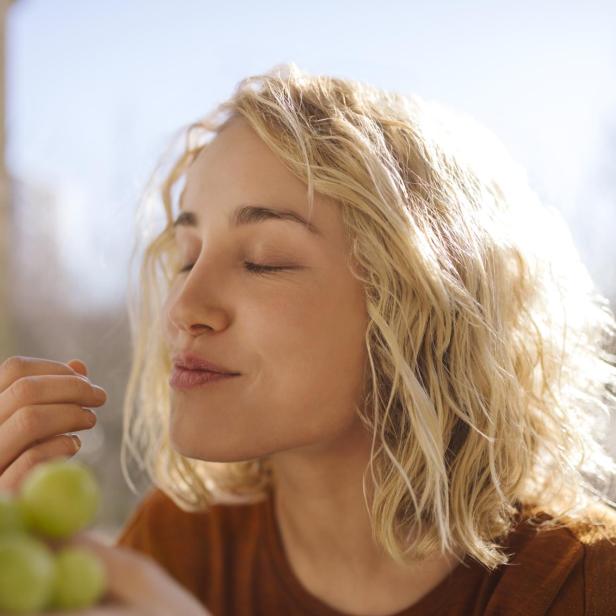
(196,328)
(188,310)
(194,319)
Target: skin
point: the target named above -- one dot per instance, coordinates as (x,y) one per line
(297,338)
(135,585)
(40,400)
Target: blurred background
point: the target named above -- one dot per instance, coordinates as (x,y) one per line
(94,92)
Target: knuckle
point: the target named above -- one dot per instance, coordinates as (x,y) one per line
(32,457)
(13,365)
(23,389)
(28,419)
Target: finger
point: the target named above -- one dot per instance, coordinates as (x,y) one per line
(62,446)
(37,423)
(19,366)
(47,389)
(78,366)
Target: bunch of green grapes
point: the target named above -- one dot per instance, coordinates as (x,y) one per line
(37,573)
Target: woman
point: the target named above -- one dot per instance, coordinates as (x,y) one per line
(415,373)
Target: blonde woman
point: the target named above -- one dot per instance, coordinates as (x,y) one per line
(370,374)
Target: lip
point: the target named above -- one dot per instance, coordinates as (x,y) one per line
(190,361)
(188,379)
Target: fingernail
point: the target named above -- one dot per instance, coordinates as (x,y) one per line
(91,416)
(77,441)
(99,391)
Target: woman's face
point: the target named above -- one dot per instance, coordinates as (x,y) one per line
(295,335)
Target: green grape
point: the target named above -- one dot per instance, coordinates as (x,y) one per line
(27,574)
(59,498)
(80,579)
(11,518)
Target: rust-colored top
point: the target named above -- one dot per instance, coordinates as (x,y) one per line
(233,559)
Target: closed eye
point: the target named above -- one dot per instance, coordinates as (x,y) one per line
(254,268)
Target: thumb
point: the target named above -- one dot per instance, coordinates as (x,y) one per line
(78,366)
(137,580)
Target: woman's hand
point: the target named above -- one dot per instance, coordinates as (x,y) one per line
(41,400)
(136,585)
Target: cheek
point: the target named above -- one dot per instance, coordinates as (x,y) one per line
(304,356)
(312,353)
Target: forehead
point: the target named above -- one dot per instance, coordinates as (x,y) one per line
(236,162)
(237,170)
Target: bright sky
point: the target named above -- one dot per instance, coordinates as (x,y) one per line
(96,90)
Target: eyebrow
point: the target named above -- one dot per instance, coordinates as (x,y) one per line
(250,214)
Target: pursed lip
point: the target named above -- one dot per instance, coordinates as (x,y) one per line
(190,361)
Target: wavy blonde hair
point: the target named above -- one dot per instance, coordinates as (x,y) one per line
(490,378)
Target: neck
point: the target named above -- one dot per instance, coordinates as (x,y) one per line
(327,535)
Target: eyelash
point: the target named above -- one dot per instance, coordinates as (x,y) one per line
(253,268)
